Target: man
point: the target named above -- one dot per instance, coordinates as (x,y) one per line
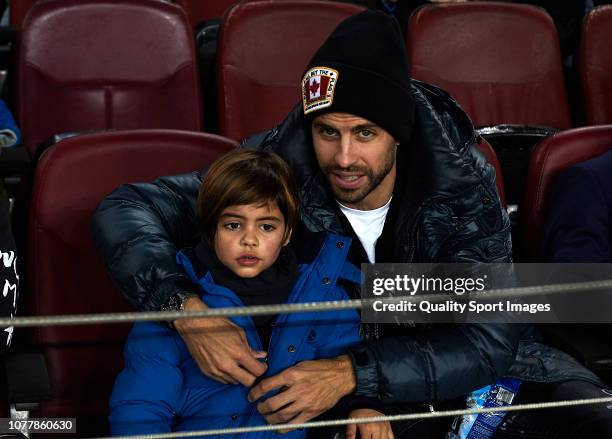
(578,225)
(377,156)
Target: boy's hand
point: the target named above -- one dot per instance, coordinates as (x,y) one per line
(220,347)
(378,430)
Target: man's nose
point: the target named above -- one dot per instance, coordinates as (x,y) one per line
(345,154)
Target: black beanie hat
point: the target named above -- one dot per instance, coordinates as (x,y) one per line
(362,69)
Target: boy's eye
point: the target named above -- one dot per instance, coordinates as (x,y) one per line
(232,226)
(267,227)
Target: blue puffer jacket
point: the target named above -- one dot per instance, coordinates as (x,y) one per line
(161,388)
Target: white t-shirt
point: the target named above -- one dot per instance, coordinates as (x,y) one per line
(368,225)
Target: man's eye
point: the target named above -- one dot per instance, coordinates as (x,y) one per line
(232,226)
(366,133)
(267,227)
(328,132)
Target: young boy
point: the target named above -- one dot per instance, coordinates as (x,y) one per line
(247,207)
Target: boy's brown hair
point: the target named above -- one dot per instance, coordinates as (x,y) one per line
(247,176)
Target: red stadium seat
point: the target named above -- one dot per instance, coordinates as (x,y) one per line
(104,64)
(199,10)
(489,153)
(19,9)
(66,276)
(264,47)
(596,65)
(500,61)
(549,159)
(589,343)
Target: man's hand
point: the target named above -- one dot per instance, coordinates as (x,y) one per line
(220,348)
(378,430)
(308,389)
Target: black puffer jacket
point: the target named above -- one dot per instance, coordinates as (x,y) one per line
(445,209)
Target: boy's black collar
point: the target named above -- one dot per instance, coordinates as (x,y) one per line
(282,274)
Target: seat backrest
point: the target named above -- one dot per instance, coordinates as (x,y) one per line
(596,65)
(104,64)
(264,47)
(18,10)
(199,10)
(500,61)
(65,274)
(489,153)
(550,157)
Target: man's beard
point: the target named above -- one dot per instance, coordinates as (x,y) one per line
(373,179)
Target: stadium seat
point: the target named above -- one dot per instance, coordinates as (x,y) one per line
(549,159)
(104,64)
(19,9)
(264,47)
(596,65)
(500,61)
(66,276)
(199,11)
(589,343)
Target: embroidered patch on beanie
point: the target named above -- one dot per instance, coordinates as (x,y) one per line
(318,88)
